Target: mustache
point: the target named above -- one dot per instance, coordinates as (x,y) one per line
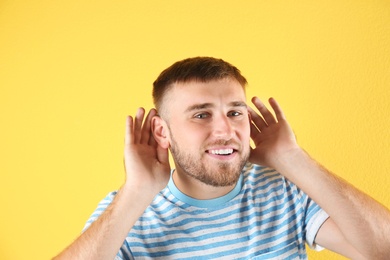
(222,142)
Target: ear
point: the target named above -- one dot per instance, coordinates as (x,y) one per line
(160,132)
(249,117)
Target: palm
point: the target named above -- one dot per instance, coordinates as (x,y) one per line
(272,136)
(146,163)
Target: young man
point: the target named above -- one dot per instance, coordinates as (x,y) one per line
(225,199)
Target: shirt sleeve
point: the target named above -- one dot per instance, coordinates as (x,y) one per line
(124,253)
(313,226)
(314,218)
(102,206)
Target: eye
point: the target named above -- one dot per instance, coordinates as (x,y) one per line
(234,113)
(202,115)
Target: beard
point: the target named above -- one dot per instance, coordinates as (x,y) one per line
(219,174)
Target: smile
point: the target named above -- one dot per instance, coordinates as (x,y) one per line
(222,151)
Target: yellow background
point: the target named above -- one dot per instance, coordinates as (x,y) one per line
(70,71)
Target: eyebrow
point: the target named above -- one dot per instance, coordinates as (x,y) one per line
(208,105)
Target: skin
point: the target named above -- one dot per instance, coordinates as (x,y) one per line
(202,126)
(358,226)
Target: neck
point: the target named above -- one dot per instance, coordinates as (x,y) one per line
(197,189)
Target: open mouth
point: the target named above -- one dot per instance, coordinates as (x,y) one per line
(224,152)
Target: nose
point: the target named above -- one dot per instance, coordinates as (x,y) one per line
(223,128)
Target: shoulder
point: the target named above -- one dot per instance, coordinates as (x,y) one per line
(255,175)
(267,182)
(101,207)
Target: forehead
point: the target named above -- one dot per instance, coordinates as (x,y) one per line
(182,95)
(216,90)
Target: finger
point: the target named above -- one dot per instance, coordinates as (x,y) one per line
(277,109)
(152,141)
(138,124)
(146,128)
(267,115)
(254,131)
(129,131)
(257,119)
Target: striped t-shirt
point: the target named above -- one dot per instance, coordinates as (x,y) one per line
(264,217)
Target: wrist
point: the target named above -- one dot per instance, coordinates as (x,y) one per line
(142,190)
(286,162)
(298,167)
(282,159)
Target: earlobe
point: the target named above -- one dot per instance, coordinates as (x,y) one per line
(160,132)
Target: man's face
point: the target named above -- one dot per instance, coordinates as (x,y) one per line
(209,130)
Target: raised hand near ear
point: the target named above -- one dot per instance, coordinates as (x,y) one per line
(146,162)
(147,172)
(272,136)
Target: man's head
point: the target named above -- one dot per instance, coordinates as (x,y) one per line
(203,119)
(200,69)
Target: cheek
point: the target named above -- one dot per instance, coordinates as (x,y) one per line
(245,130)
(245,137)
(187,137)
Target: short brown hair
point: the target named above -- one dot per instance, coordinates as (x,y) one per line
(203,69)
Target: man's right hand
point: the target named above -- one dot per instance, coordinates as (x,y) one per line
(146,162)
(147,172)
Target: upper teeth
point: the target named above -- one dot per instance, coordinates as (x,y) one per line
(222,151)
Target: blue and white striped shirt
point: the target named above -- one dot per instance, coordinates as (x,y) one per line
(264,217)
